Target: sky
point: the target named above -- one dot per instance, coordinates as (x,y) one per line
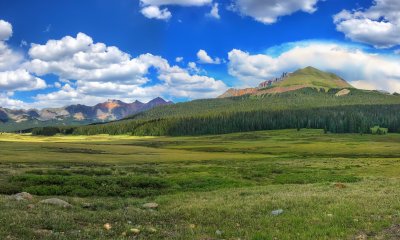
(58,53)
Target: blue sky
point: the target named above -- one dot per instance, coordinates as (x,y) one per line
(243,43)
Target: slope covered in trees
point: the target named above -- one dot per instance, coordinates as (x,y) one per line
(355,112)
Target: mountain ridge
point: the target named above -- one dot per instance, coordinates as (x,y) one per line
(101,112)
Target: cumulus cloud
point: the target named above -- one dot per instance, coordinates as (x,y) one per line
(9,59)
(156,13)
(193,67)
(7,102)
(361,68)
(378,25)
(55,50)
(268,11)
(80,59)
(203,57)
(20,80)
(12,76)
(214,13)
(178,59)
(100,72)
(152,8)
(5,30)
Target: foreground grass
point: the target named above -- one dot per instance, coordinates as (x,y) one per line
(227,182)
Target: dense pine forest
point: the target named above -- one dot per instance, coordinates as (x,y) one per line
(356,112)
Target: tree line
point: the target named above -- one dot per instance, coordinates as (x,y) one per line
(336,119)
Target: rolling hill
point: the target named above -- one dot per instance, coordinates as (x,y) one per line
(308,77)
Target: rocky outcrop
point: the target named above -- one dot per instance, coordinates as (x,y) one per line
(56,202)
(238,92)
(342,92)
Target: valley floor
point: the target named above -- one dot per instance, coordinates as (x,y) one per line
(329,186)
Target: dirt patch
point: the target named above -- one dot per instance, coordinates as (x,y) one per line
(281,89)
(342,92)
(238,92)
(392,233)
(339,185)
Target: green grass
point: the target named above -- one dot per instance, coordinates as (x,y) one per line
(226,182)
(312,77)
(379,130)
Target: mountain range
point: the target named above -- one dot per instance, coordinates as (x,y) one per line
(76,114)
(306,98)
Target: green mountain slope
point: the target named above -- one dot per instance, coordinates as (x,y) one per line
(356,111)
(308,77)
(312,77)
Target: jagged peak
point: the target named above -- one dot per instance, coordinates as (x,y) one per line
(114,101)
(158,100)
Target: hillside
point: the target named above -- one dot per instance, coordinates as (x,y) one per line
(308,77)
(356,111)
(20,119)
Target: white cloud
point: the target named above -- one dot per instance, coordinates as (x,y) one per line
(179,59)
(182,84)
(193,67)
(81,59)
(268,11)
(214,13)
(9,59)
(364,85)
(203,57)
(151,8)
(361,68)
(20,80)
(176,2)
(23,43)
(55,50)
(57,84)
(93,72)
(7,102)
(101,72)
(156,13)
(176,82)
(12,76)
(5,30)
(378,25)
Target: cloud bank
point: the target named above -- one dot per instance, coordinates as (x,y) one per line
(361,68)
(95,69)
(13,77)
(378,25)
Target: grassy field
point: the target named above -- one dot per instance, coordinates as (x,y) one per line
(329,186)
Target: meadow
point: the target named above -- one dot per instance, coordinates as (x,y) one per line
(329,186)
